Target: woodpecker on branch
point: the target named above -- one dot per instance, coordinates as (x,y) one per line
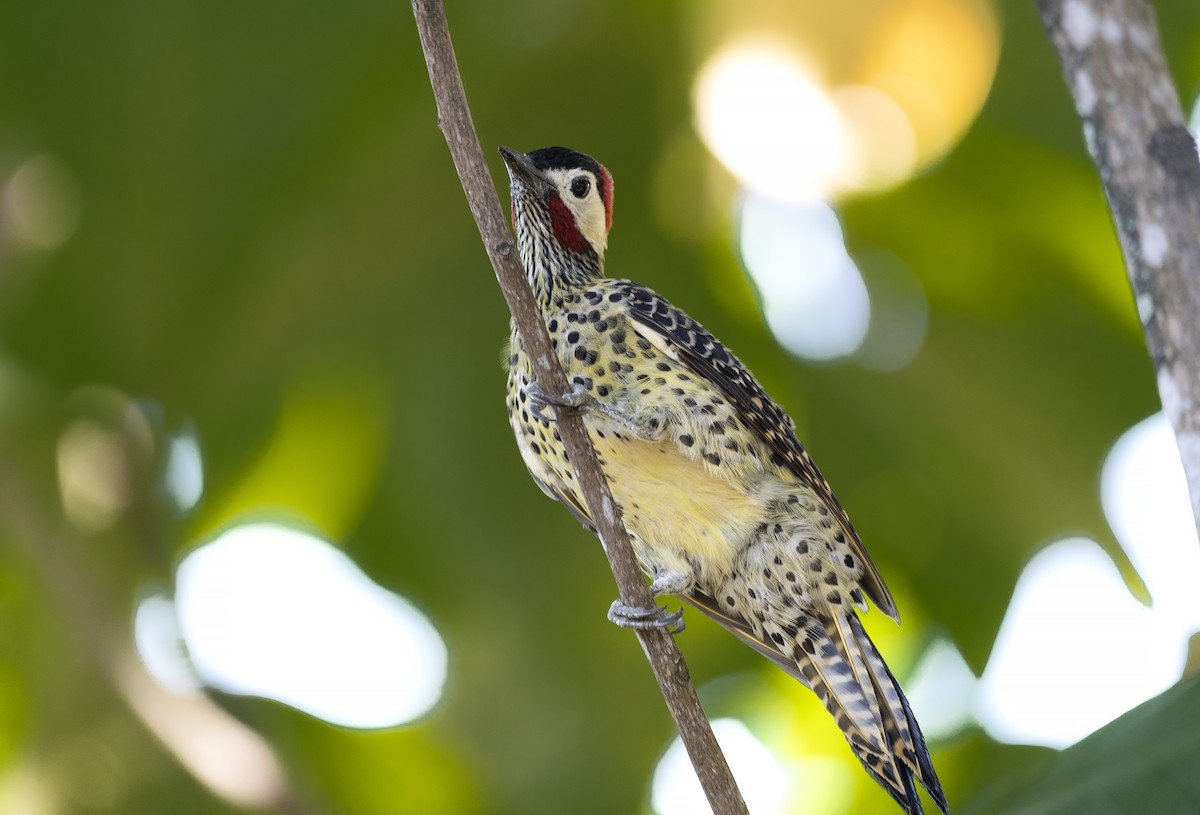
(723,506)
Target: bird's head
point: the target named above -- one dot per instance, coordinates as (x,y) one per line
(562,197)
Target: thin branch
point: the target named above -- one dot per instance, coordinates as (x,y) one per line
(454,119)
(1134,128)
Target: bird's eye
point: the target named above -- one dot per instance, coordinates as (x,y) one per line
(580,187)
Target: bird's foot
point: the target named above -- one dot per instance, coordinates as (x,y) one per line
(578,397)
(646,618)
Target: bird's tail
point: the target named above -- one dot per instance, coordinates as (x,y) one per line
(839,663)
(869,687)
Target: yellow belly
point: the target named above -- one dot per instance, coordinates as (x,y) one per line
(676,508)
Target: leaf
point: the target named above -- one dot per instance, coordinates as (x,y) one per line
(1143,762)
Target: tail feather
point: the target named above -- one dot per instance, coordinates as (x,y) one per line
(905,738)
(841,665)
(884,764)
(834,667)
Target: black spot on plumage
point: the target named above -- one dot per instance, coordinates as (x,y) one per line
(686,440)
(712,458)
(602,390)
(573,337)
(662,366)
(580,353)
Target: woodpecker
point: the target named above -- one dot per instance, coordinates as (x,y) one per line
(723,505)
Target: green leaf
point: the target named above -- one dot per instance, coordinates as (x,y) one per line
(1143,762)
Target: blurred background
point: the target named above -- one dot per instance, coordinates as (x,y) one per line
(265,539)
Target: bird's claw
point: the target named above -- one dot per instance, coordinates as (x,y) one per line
(574,399)
(646,618)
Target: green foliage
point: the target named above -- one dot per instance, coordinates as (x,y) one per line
(1142,762)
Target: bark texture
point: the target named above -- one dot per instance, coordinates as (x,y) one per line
(1134,127)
